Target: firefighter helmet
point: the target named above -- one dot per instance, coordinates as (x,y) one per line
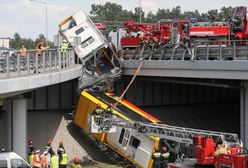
(49,142)
(164,149)
(76,160)
(156,149)
(37,151)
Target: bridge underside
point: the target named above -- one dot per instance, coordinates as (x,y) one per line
(209,104)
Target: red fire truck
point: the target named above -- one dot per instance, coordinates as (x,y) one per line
(204,141)
(136,33)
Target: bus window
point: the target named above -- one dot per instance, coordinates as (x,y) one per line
(134,142)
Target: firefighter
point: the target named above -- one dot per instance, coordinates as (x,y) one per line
(98,110)
(156,44)
(142,40)
(30,152)
(109,109)
(76,163)
(63,158)
(164,157)
(220,149)
(64,46)
(37,160)
(49,148)
(156,156)
(149,43)
(54,161)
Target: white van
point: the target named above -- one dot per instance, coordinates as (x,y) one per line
(12,160)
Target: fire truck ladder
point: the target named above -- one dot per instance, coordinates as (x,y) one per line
(167,132)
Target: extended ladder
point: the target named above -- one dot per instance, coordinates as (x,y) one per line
(164,131)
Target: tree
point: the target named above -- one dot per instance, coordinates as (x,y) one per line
(213,15)
(28,43)
(39,39)
(151,18)
(163,14)
(107,12)
(126,15)
(190,14)
(16,41)
(176,12)
(226,13)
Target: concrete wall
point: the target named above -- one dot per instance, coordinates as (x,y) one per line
(60,96)
(147,93)
(141,93)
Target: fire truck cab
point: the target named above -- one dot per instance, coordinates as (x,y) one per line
(232,161)
(236,156)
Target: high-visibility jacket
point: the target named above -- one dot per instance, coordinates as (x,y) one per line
(98,110)
(64,47)
(37,161)
(47,148)
(60,150)
(156,156)
(164,159)
(54,161)
(157,162)
(44,161)
(76,165)
(31,159)
(219,151)
(30,149)
(64,159)
(165,155)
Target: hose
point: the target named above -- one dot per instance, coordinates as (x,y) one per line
(130,83)
(138,70)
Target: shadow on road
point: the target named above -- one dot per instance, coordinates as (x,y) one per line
(97,151)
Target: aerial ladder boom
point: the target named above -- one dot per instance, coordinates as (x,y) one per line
(163,131)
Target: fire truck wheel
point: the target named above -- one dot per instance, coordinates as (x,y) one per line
(246,164)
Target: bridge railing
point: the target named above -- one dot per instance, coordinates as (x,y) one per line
(14,65)
(200,50)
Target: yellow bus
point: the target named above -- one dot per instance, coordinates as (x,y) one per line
(135,147)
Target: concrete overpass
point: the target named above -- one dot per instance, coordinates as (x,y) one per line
(19,75)
(228,70)
(189,69)
(22,74)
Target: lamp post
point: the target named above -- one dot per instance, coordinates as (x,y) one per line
(140,11)
(44,3)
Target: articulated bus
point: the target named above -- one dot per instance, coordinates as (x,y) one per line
(135,147)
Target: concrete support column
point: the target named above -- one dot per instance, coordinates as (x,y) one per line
(244,113)
(9,118)
(17,125)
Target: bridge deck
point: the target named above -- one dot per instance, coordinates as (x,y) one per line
(191,69)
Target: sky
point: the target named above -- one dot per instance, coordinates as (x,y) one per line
(28,17)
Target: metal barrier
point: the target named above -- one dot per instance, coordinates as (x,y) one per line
(49,61)
(203,50)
